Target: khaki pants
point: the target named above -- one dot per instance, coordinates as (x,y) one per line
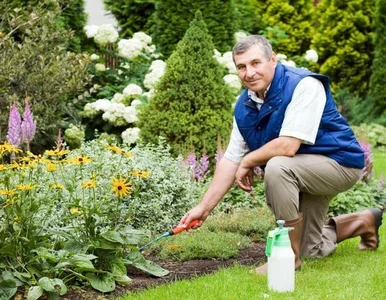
(306,183)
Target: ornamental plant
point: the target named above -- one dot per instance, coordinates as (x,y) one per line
(77,217)
(191,106)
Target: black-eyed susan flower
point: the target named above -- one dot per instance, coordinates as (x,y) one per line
(7,192)
(56,152)
(51,167)
(25,187)
(75,211)
(140,174)
(57,186)
(6,147)
(121,186)
(88,184)
(80,160)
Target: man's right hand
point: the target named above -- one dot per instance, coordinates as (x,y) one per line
(199,212)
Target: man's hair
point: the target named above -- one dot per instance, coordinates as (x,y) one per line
(247,42)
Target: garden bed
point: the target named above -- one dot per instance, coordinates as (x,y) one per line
(252,255)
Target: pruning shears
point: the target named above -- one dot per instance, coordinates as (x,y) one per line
(174,231)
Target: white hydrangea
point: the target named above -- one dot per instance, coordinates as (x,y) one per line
(115,114)
(289,63)
(311,55)
(91,30)
(233,81)
(136,102)
(143,37)
(280,57)
(100,67)
(91,110)
(227,61)
(216,54)
(106,34)
(130,49)
(132,89)
(239,36)
(118,98)
(130,114)
(130,135)
(94,56)
(156,71)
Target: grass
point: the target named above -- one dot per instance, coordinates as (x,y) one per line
(379,163)
(347,274)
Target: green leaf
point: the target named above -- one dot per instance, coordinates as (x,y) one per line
(102,282)
(34,292)
(118,267)
(115,237)
(123,280)
(83,265)
(46,284)
(7,289)
(9,276)
(140,262)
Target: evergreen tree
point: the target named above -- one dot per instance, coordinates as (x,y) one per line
(288,25)
(344,44)
(132,15)
(377,95)
(192,104)
(172,17)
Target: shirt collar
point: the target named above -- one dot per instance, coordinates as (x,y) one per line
(253,96)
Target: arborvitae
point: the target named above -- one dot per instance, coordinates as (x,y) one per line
(247,15)
(192,104)
(343,41)
(132,15)
(172,17)
(292,19)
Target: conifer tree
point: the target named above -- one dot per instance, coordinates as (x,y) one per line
(172,17)
(344,44)
(132,15)
(377,95)
(291,22)
(192,104)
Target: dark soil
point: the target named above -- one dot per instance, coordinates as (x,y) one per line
(252,255)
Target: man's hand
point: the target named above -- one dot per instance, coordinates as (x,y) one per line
(198,212)
(245,178)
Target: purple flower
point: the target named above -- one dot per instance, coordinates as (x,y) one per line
(190,160)
(28,126)
(367,171)
(202,167)
(14,127)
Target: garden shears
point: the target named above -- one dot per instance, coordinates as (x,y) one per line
(174,231)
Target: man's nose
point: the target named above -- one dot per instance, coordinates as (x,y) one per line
(250,72)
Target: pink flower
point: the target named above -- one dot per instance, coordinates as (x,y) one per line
(14,127)
(28,126)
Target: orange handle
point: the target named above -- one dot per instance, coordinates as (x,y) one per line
(179,229)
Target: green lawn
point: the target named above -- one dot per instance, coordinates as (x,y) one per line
(347,274)
(379,164)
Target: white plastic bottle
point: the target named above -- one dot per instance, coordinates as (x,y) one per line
(281,260)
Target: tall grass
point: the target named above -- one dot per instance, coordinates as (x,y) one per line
(347,274)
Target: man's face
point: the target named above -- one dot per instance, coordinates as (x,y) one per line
(255,70)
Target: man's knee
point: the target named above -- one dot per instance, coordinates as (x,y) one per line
(275,169)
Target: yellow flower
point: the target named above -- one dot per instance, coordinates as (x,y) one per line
(119,150)
(89,184)
(51,167)
(57,186)
(3,167)
(75,211)
(5,147)
(7,192)
(79,160)
(140,174)
(25,187)
(56,152)
(121,186)
(16,219)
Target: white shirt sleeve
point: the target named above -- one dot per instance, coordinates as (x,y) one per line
(303,114)
(237,147)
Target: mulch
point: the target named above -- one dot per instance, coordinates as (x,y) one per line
(252,255)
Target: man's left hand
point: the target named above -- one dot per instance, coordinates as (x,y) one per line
(245,178)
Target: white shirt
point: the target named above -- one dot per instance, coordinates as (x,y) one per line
(301,118)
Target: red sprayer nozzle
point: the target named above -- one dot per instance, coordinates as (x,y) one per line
(179,229)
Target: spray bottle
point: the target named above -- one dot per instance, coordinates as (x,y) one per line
(281,260)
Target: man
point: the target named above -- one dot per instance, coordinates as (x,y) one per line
(286,121)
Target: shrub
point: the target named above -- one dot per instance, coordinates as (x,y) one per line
(292,24)
(192,105)
(343,40)
(172,18)
(34,63)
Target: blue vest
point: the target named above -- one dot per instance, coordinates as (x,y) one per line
(334,139)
